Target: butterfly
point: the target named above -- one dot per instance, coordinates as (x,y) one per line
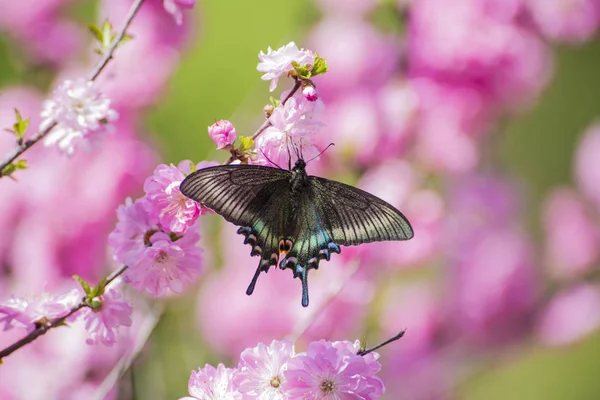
(292,219)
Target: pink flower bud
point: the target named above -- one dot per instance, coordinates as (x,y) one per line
(222,133)
(310,93)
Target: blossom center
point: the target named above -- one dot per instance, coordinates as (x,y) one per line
(275,382)
(163,257)
(328,386)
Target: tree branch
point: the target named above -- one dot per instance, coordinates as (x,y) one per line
(108,55)
(45,326)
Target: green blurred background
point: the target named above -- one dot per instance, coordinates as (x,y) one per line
(218,79)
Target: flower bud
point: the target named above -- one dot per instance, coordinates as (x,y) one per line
(222,133)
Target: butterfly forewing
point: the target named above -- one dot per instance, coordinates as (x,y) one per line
(238,193)
(354,216)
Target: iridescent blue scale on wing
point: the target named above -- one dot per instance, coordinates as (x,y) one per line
(291,219)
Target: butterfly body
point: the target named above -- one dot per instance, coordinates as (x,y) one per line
(293,220)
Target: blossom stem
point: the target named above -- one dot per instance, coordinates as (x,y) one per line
(267,123)
(45,326)
(390,340)
(108,55)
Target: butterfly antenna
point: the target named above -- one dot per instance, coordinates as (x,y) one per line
(269,160)
(319,155)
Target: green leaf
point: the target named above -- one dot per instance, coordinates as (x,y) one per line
(303,71)
(246,144)
(20,127)
(13,167)
(319,66)
(84,285)
(107,34)
(126,38)
(274,101)
(95,304)
(96,32)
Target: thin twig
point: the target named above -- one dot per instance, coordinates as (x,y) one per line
(267,123)
(390,340)
(108,55)
(53,323)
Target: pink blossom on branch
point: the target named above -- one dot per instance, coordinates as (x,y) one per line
(25,312)
(292,123)
(164,202)
(158,261)
(260,371)
(129,238)
(333,370)
(82,113)
(223,133)
(167,264)
(278,62)
(210,383)
(103,323)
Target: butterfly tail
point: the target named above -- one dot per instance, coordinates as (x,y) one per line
(304,278)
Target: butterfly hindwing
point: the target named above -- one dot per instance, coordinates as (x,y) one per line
(354,216)
(312,240)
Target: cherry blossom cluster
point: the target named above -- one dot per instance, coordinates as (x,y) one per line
(294,120)
(81,113)
(102,320)
(157,235)
(326,370)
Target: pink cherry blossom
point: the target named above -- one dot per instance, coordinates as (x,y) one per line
(310,93)
(572,234)
(571,315)
(587,163)
(175,7)
(210,383)
(493,281)
(164,202)
(222,133)
(82,113)
(103,323)
(260,371)
(279,62)
(131,235)
(330,371)
(25,312)
(292,124)
(467,42)
(566,20)
(167,264)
